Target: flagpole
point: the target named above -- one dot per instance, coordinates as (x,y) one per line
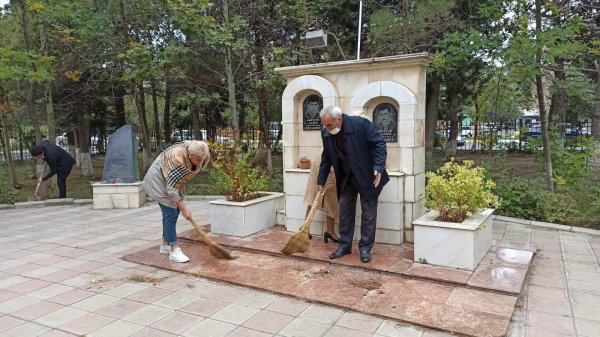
(359,30)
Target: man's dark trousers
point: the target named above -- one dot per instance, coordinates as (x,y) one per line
(348,214)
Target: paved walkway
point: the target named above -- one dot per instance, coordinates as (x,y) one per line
(61,274)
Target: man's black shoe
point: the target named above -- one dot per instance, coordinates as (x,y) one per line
(339,253)
(365,256)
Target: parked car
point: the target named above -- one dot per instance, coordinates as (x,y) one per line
(466,131)
(535,130)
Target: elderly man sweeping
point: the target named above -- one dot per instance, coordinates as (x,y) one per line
(357,152)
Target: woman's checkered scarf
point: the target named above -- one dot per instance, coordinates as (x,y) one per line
(176,165)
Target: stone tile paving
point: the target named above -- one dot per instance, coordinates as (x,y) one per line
(68,238)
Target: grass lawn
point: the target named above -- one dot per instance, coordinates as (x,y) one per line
(518,176)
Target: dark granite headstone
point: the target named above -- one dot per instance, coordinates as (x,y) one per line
(311,107)
(121,164)
(385,119)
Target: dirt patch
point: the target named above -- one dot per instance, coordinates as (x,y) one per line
(145,278)
(513,164)
(368,283)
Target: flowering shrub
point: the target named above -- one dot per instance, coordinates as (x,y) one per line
(236,173)
(457,191)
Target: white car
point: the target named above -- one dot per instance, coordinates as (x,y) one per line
(466,131)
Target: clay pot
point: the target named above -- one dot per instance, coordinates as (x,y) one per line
(304,163)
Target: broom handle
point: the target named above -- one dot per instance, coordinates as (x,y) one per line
(37,187)
(207,239)
(313,209)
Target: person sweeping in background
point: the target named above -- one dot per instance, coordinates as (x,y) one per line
(165,180)
(60,162)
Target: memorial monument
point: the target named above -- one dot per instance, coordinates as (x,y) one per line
(120,186)
(390,91)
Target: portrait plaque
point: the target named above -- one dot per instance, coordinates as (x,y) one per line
(311,107)
(385,119)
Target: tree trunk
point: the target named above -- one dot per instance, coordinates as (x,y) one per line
(51,124)
(431,109)
(30,94)
(140,102)
(167,112)
(596,114)
(263,105)
(235,122)
(156,114)
(558,103)
(195,110)
(541,102)
(7,149)
(453,117)
(83,142)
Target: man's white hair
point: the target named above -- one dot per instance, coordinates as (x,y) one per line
(333,111)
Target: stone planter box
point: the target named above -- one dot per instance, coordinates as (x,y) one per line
(118,195)
(247,217)
(455,245)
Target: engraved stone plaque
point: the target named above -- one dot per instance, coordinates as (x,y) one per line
(385,119)
(310,113)
(121,164)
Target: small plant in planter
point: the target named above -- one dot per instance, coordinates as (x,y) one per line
(237,174)
(457,191)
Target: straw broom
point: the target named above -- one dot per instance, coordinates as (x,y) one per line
(300,241)
(35,196)
(215,249)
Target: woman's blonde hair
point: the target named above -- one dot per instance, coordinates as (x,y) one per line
(200,149)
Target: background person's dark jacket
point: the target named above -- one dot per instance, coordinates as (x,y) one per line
(366,151)
(59,160)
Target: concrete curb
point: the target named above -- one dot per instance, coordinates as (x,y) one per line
(49,202)
(549,225)
(78,202)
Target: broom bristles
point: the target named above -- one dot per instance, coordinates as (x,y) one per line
(220,253)
(215,249)
(300,241)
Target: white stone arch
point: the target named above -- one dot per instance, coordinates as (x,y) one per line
(307,82)
(394,90)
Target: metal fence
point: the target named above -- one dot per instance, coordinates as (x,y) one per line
(484,136)
(513,136)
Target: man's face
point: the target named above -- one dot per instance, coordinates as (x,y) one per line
(313,107)
(384,115)
(331,123)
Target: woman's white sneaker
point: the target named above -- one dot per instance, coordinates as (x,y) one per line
(178,256)
(165,249)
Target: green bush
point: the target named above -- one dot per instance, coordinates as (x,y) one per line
(457,191)
(519,199)
(556,207)
(237,174)
(8,195)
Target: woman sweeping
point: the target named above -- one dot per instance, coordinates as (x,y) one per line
(164,181)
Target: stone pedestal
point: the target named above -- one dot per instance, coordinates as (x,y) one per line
(246,217)
(455,245)
(118,195)
(392,211)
